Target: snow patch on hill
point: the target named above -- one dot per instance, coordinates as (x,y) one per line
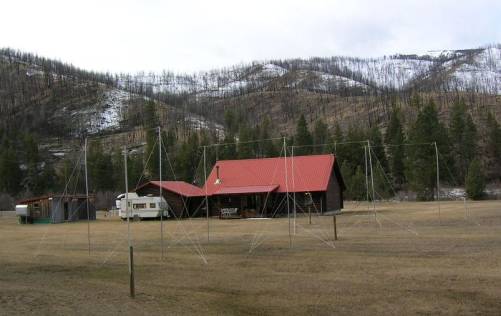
(272,70)
(113,105)
(483,74)
(198,122)
(388,72)
(104,115)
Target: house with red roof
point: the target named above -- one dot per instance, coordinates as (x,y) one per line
(258,187)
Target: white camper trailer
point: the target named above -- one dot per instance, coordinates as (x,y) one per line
(142,206)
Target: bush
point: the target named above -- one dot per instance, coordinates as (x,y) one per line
(475,181)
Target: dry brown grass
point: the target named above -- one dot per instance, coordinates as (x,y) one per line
(409,264)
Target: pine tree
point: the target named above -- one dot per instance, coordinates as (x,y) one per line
(302,138)
(151,153)
(463,136)
(354,181)
(230,122)
(32,181)
(48,178)
(245,142)
(493,145)
(420,163)
(376,141)
(469,141)
(475,180)
(267,147)
(457,121)
(357,186)
(353,152)
(187,159)
(100,168)
(320,136)
(338,137)
(347,178)
(118,171)
(229,149)
(135,167)
(395,139)
(10,173)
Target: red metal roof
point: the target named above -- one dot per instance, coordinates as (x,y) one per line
(179,187)
(247,189)
(311,173)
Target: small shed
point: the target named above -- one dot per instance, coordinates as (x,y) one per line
(183,199)
(58,208)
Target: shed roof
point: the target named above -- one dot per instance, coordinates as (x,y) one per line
(54,196)
(179,187)
(304,174)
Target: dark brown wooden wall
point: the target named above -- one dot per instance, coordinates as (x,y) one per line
(334,194)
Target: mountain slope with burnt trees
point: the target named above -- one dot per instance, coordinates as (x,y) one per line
(48,107)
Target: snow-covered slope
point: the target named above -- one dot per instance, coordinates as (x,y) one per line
(482,73)
(476,69)
(104,115)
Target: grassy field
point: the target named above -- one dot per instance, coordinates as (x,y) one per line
(407,260)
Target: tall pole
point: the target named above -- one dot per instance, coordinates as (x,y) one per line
(131,268)
(294,191)
(372,180)
(287,192)
(367,180)
(438,182)
(127,200)
(206,199)
(87,195)
(160,193)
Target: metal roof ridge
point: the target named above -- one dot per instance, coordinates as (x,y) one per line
(280,157)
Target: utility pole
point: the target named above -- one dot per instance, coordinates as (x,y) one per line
(438,183)
(131,251)
(160,193)
(287,192)
(367,180)
(87,194)
(372,180)
(206,199)
(294,191)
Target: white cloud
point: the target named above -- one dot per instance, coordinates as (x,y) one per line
(194,35)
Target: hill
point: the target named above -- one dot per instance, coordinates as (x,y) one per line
(57,105)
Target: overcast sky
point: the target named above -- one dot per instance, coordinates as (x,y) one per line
(189,35)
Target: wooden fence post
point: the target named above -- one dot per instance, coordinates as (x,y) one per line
(335,226)
(131,272)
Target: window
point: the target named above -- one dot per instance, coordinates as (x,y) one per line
(153,205)
(139,205)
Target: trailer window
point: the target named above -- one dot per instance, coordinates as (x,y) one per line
(153,205)
(139,205)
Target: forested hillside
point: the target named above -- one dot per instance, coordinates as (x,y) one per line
(47,109)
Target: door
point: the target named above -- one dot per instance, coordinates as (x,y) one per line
(66,211)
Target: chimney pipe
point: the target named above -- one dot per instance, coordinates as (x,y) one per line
(218,179)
